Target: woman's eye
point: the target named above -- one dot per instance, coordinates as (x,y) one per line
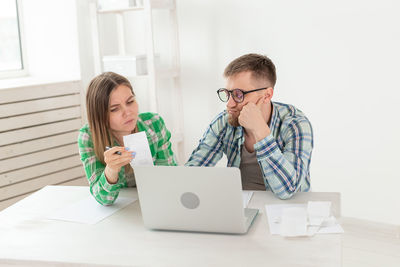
(114,109)
(131,101)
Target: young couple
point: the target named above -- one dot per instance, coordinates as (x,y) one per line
(270,142)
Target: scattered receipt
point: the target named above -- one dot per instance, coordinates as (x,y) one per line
(302,219)
(138,143)
(89,211)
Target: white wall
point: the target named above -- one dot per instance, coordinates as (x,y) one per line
(338,61)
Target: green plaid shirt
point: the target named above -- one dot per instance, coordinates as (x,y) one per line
(160,147)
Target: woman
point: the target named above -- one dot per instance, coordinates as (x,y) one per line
(112,113)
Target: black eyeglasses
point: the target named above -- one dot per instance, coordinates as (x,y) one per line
(237,94)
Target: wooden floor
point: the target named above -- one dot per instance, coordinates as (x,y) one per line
(370,244)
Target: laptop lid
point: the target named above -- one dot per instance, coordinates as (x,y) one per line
(205,199)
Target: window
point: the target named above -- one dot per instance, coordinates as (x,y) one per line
(11,55)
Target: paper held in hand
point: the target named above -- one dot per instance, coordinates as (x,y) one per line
(138,143)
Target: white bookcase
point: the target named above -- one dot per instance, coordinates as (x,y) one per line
(144,66)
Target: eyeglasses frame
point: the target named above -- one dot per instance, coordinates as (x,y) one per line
(243,92)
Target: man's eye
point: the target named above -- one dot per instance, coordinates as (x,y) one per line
(238,94)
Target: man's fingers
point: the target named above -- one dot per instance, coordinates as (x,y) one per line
(260,102)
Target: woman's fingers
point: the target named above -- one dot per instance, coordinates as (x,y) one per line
(115,150)
(116,161)
(122,160)
(113,153)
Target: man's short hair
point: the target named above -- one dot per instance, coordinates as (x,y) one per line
(260,66)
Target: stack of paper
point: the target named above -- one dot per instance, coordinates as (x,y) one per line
(302,219)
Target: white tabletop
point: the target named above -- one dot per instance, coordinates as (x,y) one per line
(27,238)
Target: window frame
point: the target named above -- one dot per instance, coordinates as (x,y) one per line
(24,71)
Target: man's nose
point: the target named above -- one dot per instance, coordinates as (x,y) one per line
(231,103)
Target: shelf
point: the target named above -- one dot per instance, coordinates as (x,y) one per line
(167,73)
(118,10)
(155,4)
(133,66)
(147,68)
(161,73)
(162,4)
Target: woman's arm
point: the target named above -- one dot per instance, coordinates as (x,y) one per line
(104,192)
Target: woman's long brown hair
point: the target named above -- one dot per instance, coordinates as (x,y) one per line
(97,103)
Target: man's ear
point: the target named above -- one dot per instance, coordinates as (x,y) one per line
(269,92)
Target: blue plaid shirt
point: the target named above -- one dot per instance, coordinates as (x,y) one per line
(284,156)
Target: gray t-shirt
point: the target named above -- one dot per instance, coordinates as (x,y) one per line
(252,178)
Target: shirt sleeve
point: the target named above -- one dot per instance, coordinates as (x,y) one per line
(164,154)
(210,148)
(104,192)
(287,171)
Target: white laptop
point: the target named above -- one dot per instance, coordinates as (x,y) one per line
(200,199)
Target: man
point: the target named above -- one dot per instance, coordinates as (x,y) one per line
(270,142)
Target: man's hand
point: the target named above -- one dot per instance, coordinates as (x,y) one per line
(251,118)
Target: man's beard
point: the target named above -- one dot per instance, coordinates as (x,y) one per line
(234,121)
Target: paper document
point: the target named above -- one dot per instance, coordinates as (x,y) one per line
(89,211)
(293,222)
(299,220)
(138,143)
(246,197)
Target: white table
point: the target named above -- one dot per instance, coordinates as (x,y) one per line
(28,239)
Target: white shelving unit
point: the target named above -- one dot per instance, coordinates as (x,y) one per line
(143,66)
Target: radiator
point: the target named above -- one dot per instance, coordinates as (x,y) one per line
(38,139)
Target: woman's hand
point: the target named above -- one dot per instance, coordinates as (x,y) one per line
(115,158)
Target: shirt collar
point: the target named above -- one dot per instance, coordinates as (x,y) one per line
(274,117)
(142,126)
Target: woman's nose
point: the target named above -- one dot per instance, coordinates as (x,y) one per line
(126,111)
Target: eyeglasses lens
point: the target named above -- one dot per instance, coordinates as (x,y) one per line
(237,95)
(223,95)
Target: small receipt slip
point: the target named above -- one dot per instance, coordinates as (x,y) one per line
(138,142)
(88,211)
(302,219)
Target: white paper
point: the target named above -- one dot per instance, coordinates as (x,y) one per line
(315,221)
(246,197)
(318,212)
(334,229)
(293,222)
(274,214)
(89,211)
(138,143)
